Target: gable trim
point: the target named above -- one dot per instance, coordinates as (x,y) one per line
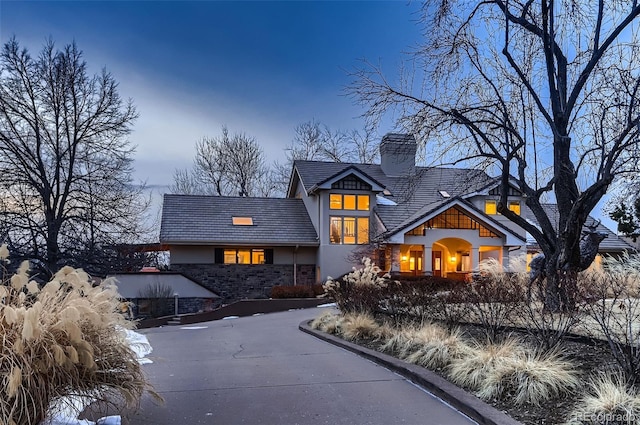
(467,208)
(376,186)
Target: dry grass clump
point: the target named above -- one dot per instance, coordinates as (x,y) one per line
(360,326)
(64,339)
(323,320)
(472,370)
(440,351)
(610,401)
(531,378)
(405,342)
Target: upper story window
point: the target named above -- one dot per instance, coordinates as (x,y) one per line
(351,182)
(348,202)
(349,230)
(514,206)
(490,207)
(452,218)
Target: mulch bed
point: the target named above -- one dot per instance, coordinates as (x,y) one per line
(589,357)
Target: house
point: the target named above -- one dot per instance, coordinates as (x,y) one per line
(155,293)
(413,220)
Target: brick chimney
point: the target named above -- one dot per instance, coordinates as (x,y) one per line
(398,154)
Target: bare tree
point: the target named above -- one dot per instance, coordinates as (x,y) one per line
(545,92)
(228,165)
(314,141)
(65,164)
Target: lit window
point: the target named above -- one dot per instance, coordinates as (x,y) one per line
(349,202)
(336,230)
(363,202)
(363,230)
(257,256)
(515,207)
(242,221)
(349,230)
(335,202)
(244,256)
(491,207)
(229,256)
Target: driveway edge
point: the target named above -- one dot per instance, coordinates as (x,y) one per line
(465,402)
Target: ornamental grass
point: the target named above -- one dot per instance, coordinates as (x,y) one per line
(63,340)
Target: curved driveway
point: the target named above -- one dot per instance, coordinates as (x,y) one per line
(263,370)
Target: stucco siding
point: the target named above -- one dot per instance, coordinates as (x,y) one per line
(184,254)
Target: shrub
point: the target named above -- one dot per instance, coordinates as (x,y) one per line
(157,296)
(610,400)
(613,306)
(62,339)
(495,297)
(360,291)
(295,291)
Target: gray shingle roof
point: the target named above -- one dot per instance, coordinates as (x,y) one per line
(612,243)
(413,194)
(208,220)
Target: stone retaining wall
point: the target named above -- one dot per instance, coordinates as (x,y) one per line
(235,282)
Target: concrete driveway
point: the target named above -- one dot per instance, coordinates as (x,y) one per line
(263,370)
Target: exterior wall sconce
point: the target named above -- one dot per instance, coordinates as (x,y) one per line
(453,258)
(404,258)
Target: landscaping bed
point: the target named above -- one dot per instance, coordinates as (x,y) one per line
(578,366)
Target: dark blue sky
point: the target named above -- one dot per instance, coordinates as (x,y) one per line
(191,67)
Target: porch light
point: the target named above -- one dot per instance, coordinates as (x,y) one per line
(453,258)
(404,258)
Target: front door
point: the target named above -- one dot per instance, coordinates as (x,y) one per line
(415,262)
(436,257)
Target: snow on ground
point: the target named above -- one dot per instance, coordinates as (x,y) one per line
(326,305)
(230,317)
(194,327)
(66,410)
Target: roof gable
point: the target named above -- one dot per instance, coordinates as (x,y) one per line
(433,211)
(350,170)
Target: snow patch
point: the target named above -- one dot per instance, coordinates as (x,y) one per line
(230,317)
(194,327)
(140,345)
(326,305)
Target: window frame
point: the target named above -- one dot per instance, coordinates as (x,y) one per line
(251,253)
(338,201)
(338,230)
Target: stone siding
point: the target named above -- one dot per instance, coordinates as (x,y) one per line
(235,282)
(160,307)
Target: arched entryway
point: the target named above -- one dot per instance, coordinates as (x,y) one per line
(451,257)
